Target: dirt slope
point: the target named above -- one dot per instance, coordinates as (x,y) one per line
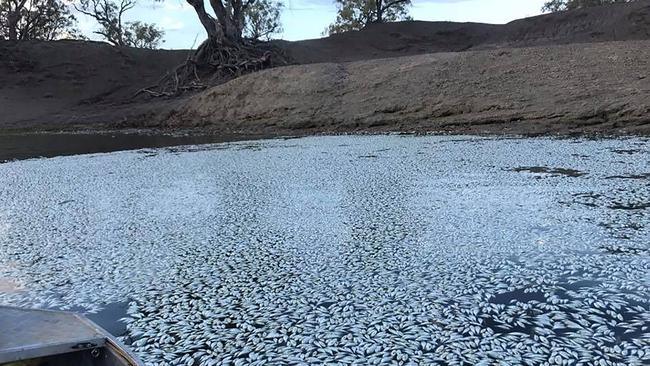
(600,87)
(391,40)
(76,85)
(55,82)
(616,22)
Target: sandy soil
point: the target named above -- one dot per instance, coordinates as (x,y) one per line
(581,71)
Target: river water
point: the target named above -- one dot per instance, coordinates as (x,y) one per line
(367,250)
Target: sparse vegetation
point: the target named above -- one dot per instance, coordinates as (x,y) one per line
(561,5)
(143,35)
(356,14)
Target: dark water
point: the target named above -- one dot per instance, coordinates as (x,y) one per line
(34,145)
(109,318)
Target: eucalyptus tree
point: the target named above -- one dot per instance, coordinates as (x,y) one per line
(237,43)
(356,14)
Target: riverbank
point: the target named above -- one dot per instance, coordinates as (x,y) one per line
(580,72)
(594,88)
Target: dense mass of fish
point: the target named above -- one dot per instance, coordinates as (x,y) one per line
(345,250)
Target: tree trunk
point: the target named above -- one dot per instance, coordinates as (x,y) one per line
(208,22)
(12,24)
(237,18)
(224,56)
(226,29)
(380,11)
(231,33)
(13,18)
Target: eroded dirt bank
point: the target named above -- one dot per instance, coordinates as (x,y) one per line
(579,88)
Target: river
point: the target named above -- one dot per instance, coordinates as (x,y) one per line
(350,249)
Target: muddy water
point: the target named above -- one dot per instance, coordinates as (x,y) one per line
(383,249)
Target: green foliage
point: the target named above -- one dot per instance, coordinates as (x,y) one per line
(143,35)
(561,5)
(36,19)
(262,19)
(356,14)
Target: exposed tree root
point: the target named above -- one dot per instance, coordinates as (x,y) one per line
(214,63)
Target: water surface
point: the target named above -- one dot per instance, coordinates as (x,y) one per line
(16,146)
(383,249)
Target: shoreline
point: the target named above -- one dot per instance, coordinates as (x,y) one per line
(24,145)
(577,73)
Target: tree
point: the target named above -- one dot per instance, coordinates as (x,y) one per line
(228,25)
(142,35)
(356,14)
(391,11)
(35,19)
(232,47)
(109,14)
(257,18)
(562,5)
(262,19)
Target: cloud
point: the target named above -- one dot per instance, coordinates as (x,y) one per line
(87,25)
(494,11)
(170,24)
(176,6)
(167,5)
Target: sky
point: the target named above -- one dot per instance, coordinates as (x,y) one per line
(305,19)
